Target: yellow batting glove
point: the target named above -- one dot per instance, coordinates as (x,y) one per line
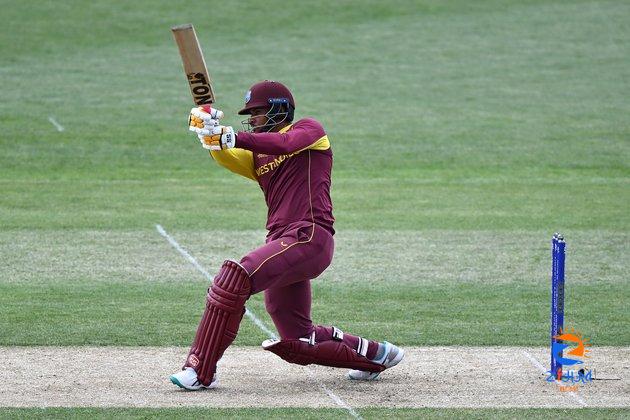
(222,137)
(203,119)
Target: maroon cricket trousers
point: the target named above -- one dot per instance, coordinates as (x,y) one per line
(283,268)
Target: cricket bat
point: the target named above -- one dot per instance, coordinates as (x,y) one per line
(194,64)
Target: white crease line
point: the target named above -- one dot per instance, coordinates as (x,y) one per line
(182,251)
(260,324)
(341,403)
(541,368)
(207,275)
(54,122)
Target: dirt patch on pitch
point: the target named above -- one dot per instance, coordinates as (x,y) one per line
(251,377)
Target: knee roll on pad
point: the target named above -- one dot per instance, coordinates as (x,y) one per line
(335,353)
(225,306)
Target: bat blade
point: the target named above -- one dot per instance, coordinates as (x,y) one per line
(194,64)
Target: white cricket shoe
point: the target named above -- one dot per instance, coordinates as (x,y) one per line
(392,356)
(187,379)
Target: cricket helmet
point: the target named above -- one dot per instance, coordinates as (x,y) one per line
(266,94)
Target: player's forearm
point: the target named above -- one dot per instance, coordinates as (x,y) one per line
(269,143)
(279,143)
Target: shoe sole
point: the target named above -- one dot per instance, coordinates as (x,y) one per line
(174,380)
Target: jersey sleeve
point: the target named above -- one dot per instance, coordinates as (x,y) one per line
(239,161)
(304,134)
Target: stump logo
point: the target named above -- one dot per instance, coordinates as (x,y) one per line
(579,349)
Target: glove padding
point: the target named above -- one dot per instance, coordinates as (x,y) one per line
(221,138)
(203,119)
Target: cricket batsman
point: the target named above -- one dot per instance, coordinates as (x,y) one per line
(292,163)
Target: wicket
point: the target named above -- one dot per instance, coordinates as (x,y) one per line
(557,300)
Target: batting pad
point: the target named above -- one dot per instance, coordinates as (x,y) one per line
(328,353)
(225,306)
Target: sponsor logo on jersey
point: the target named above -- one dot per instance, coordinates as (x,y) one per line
(273,165)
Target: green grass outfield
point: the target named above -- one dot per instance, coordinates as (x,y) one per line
(322,413)
(465,134)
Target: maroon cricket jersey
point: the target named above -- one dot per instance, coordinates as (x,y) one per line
(293,168)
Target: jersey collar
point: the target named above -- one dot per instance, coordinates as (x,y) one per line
(285,129)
